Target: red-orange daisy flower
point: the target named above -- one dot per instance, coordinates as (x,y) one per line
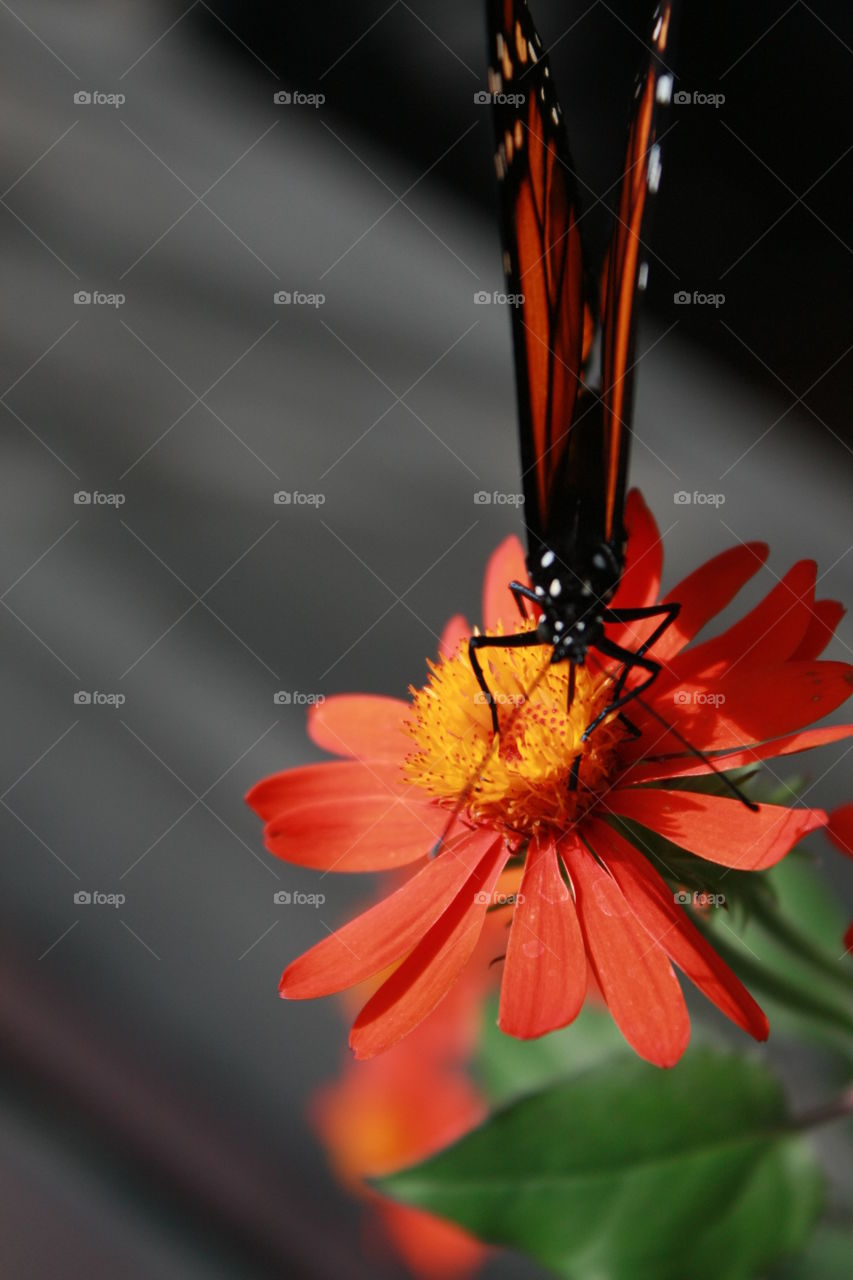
(589,900)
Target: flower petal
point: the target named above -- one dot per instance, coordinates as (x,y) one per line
(653,904)
(769,633)
(633,972)
(315,783)
(506,564)
(544,978)
(716,828)
(386,932)
(432,1248)
(826,615)
(425,976)
(840,828)
(688,766)
(751,704)
(346,816)
(455,631)
(361,726)
(640,581)
(706,592)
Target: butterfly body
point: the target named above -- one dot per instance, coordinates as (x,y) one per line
(572,609)
(574,431)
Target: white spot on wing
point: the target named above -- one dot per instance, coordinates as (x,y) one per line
(654,168)
(643,276)
(663,93)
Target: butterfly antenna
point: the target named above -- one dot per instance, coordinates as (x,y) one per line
(700,755)
(694,750)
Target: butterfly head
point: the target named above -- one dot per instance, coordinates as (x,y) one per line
(573,601)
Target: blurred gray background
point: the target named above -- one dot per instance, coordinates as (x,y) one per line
(151,1111)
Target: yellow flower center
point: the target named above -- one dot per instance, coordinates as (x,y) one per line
(523,781)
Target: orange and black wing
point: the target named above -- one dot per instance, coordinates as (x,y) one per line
(543,259)
(625,271)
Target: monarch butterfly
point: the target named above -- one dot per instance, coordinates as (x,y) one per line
(574,438)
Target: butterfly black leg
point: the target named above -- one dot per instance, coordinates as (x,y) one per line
(667,612)
(630,660)
(522,640)
(521,592)
(630,726)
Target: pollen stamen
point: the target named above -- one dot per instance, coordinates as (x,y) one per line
(524,782)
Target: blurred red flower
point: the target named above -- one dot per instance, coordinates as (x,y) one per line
(402,1106)
(840,828)
(840,831)
(589,898)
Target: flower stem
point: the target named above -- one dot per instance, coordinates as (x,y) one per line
(836,1109)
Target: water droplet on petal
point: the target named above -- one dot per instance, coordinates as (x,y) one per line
(609,899)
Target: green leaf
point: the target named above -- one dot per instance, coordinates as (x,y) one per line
(790,954)
(632,1173)
(826,1258)
(506,1067)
